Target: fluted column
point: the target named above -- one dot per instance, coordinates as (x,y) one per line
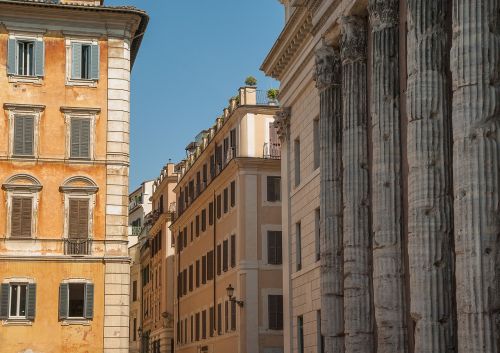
(388,270)
(430,202)
(356,190)
(475,63)
(328,82)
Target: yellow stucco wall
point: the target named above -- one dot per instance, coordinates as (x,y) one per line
(47,334)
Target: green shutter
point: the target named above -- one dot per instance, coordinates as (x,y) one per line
(94,61)
(75,138)
(31,302)
(63,301)
(89,301)
(76,64)
(4,301)
(80,138)
(18,135)
(85,138)
(11,57)
(24,133)
(39,58)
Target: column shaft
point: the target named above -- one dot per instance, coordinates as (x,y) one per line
(356,190)
(475,63)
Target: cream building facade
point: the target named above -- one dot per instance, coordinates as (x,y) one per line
(228,234)
(64,159)
(401,99)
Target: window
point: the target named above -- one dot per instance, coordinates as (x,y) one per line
(204,220)
(275,312)
(197,273)
(298,245)
(203,269)
(297,161)
(320,340)
(232,142)
(273,188)
(233,193)
(224,255)
(219,206)
(185,238)
(317,228)
(210,265)
(226,200)
(21,217)
(233,251)
(78,218)
(76,301)
(274,248)
(85,61)
(219,319)
(135,329)
(226,316)
(191,231)
(134,291)
(211,213)
(25,57)
(190,278)
(184,281)
(204,324)
(233,316)
(192,329)
(197,326)
(219,259)
(24,135)
(197,222)
(80,138)
(18,301)
(212,321)
(316,143)
(300,334)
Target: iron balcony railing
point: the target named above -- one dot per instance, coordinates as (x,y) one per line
(271,151)
(262,99)
(78,246)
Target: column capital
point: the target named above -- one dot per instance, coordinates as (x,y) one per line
(383,13)
(354,40)
(282,122)
(328,71)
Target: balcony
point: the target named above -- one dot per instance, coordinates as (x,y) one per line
(78,247)
(134,230)
(271,151)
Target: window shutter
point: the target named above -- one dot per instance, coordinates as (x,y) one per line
(85,138)
(26,217)
(11,57)
(16,217)
(233,250)
(29,131)
(63,301)
(94,61)
(4,301)
(31,302)
(279,247)
(21,217)
(271,248)
(18,135)
(78,218)
(75,137)
(89,300)
(39,58)
(76,61)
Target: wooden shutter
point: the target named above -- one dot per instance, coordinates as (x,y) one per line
(21,217)
(78,219)
(225,255)
(80,138)
(219,259)
(197,273)
(190,278)
(76,64)
(89,300)
(23,135)
(279,248)
(233,250)
(4,301)
(210,265)
(226,315)
(271,248)
(39,58)
(203,269)
(11,57)
(219,318)
(31,301)
(94,61)
(274,140)
(63,301)
(233,193)
(233,316)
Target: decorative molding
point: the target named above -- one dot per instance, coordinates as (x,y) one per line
(23,108)
(328,71)
(354,39)
(282,123)
(383,14)
(80,110)
(89,188)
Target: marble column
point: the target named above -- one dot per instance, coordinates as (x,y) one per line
(358,303)
(328,81)
(388,265)
(475,67)
(430,201)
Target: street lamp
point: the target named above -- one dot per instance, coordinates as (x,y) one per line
(230,292)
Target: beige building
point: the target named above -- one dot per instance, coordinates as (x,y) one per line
(155,253)
(390,125)
(228,234)
(64,160)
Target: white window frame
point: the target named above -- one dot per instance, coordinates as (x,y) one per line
(21,320)
(18,299)
(264,250)
(14,110)
(264,295)
(70,81)
(77,320)
(86,113)
(264,190)
(79,192)
(29,37)
(15,188)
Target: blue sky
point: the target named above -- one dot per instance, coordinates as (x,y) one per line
(193,58)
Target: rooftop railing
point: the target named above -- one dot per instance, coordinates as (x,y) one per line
(78,246)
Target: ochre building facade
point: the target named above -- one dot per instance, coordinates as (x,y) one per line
(64,159)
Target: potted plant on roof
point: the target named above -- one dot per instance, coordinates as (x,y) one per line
(272,96)
(251,81)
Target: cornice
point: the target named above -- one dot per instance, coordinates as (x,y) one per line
(24,107)
(80,110)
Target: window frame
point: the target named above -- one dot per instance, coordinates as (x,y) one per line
(18,299)
(70,80)
(26,37)
(17,110)
(26,319)
(70,113)
(78,320)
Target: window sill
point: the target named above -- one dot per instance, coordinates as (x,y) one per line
(24,157)
(25,79)
(81,82)
(17,322)
(81,322)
